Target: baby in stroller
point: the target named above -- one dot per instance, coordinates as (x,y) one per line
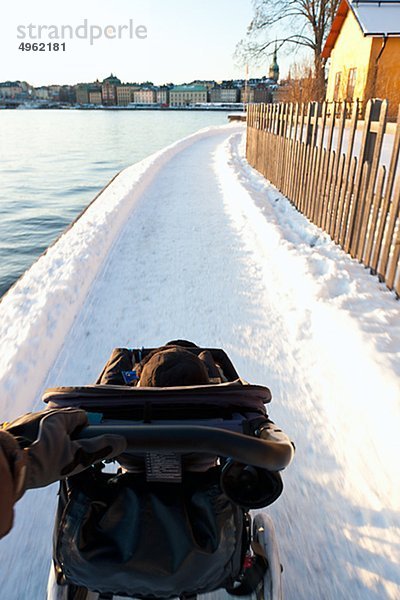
(183,363)
(174,520)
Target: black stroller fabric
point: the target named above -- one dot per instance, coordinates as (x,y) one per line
(122,535)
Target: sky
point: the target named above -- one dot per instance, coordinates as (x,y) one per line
(178,40)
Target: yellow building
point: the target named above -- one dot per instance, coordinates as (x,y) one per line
(144,96)
(95,97)
(364,50)
(125,94)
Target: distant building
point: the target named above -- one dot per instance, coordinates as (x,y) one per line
(125,94)
(89,93)
(262,93)
(144,96)
(364,49)
(10,89)
(224,94)
(25,86)
(130,92)
(207,83)
(82,93)
(54,91)
(66,94)
(95,96)
(185,95)
(162,95)
(214,94)
(247,94)
(41,93)
(109,90)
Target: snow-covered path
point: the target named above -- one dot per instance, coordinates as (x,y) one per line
(210,252)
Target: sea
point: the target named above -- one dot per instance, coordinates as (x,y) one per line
(53,163)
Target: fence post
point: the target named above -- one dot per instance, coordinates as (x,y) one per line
(370,141)
(312,126)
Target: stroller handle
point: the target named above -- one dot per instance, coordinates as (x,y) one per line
(271,454)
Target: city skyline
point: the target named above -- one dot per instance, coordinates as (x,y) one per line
(184,41)
(112,92)
(145,83)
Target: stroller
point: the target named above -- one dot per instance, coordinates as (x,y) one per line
(174,520)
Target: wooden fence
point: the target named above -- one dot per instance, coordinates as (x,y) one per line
(339,171)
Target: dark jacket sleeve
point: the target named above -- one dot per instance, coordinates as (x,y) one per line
(11,475)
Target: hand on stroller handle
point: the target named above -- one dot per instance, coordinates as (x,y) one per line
(271,454)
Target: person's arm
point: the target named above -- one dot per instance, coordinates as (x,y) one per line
(38,449)
(11,480)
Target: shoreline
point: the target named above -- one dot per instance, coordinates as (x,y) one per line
(127,108)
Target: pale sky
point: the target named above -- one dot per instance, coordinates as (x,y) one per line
(186,40)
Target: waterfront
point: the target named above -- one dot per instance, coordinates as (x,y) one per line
(52,164)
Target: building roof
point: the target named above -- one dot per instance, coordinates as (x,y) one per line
(112,79)
(10,84)
(379,18)
(189,88)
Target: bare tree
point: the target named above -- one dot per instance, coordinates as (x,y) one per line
(300,86)
(303,23)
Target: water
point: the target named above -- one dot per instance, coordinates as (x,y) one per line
(53,162)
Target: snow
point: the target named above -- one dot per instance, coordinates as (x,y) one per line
(378,18)
(194,243)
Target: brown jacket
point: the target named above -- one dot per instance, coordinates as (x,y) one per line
(48,454)
(7,495)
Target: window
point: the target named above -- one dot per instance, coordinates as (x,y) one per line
(351,84)
(338,80)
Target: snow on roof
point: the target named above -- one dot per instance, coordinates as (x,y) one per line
(375,18)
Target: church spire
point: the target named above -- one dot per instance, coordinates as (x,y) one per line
(274,67)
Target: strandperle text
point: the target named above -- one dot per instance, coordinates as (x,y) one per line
(83,31)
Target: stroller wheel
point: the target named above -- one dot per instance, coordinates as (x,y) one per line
(265,541)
